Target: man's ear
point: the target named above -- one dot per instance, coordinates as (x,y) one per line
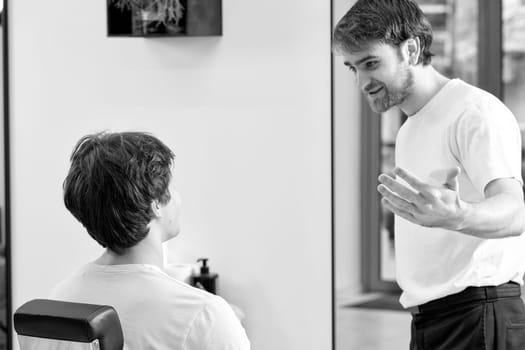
(412,47)
(155,207)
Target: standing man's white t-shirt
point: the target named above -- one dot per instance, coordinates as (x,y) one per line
(156,311)
(467,127)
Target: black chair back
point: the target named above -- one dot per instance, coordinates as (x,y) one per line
(69,322)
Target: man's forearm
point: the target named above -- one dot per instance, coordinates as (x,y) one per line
(500,216)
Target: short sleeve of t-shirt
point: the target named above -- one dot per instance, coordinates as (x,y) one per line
(216,327)
(489,143)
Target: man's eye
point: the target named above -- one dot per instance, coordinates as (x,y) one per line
(352,69)
(371,64)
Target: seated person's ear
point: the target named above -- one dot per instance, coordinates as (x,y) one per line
(155,206)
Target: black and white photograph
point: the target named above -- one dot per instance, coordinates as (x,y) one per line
(262,175)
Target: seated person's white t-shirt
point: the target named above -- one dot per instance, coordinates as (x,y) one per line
(156,311)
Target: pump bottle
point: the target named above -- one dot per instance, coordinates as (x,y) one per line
(205,279)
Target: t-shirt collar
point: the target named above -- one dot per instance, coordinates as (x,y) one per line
(439,97)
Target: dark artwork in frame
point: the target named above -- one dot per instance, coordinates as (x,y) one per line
(188,18)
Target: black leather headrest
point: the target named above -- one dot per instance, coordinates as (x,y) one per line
(62,320)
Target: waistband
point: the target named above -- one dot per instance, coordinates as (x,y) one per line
(470,294)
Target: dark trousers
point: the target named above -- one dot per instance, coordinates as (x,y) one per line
(485,318)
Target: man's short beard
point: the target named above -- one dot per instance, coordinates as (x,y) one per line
(395,97)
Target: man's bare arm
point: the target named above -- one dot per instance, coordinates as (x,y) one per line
(500,214)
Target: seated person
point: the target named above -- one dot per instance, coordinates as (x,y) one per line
(120,188)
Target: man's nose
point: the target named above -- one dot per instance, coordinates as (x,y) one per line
(363,81)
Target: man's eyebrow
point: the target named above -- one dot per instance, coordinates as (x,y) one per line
(346,63)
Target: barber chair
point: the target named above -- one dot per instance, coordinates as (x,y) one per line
(43,324)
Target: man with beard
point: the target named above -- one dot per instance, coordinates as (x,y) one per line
(456,189)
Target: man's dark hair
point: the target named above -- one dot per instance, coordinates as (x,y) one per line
(386,21)
(112,182)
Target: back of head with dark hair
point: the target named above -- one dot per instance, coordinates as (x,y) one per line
(386,21)
(112,182)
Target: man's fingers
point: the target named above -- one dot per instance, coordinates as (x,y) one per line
(412,180)
(406,215)
(396,200)
(399,188)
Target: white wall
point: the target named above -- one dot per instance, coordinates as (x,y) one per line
(248,115)
(347,141)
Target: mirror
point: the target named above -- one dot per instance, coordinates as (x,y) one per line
(4,285)
(256,207)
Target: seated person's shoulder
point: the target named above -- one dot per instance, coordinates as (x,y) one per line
(216,327)
(214,324)
(207,320)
